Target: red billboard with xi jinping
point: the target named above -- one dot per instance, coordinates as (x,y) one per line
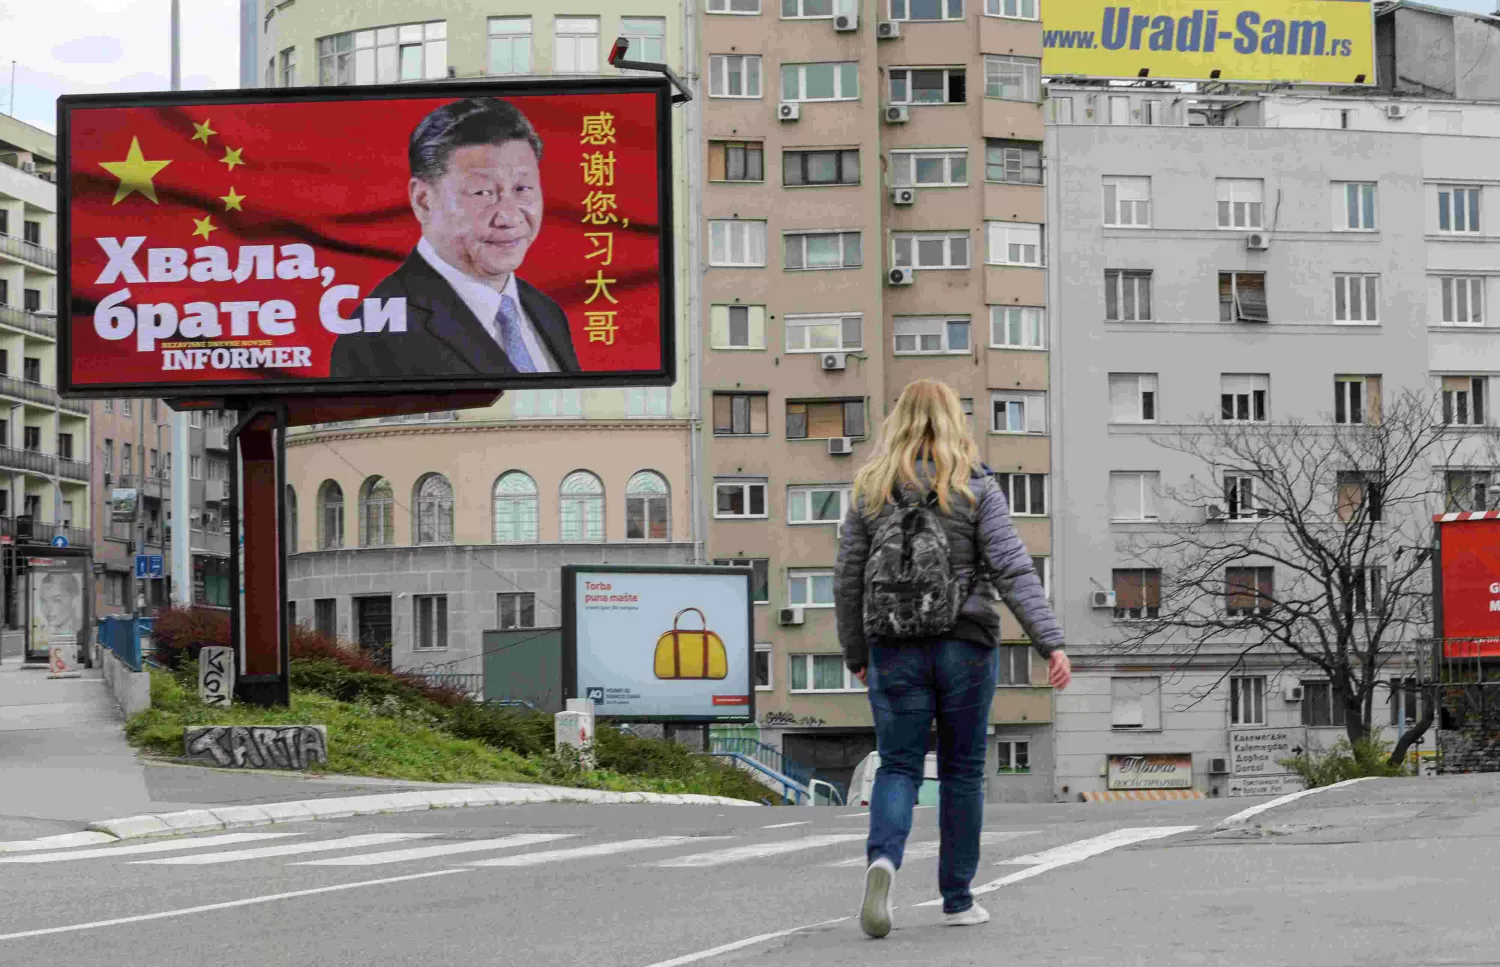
(367,240)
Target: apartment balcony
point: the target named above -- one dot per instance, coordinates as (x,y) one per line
(31,461)
(26,530)
(216,439)
(74,469)
(38,323)
(42,394)
(28,251)
(215,491)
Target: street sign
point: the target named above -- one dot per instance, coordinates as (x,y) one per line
(148,565)
(1264,785)
(1260,752)
(59,541)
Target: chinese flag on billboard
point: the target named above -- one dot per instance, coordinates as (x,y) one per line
(1471,585)
(368,239)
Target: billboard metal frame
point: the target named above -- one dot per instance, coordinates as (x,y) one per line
(570,634)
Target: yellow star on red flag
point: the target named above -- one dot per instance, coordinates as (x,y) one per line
(135,173)
(232,201)
(232,157)
(202,131)
(205,226)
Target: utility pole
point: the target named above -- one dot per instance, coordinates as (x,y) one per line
(182,544)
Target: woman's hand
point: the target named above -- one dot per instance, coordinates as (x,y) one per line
(861,676)
(1059,669)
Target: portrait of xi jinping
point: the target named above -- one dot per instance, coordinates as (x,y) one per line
(476,192)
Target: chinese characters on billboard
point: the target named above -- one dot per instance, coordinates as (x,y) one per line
(385,239)
(1470,567)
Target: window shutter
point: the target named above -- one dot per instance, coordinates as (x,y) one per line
(1124,398)
(1150,482)
(718,325)
(1128,589)
(1125,497)
(1036,413)
(794,248)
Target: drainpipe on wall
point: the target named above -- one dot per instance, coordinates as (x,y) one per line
(691,149)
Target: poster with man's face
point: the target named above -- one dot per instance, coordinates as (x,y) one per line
(57,597)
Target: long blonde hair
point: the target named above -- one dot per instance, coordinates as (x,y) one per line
(927,423)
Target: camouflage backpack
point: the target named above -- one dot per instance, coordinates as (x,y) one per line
(910,590)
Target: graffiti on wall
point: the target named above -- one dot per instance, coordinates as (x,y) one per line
(257,747)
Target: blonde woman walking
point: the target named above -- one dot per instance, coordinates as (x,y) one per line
(927,549)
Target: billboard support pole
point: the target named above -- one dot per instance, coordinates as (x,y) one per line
(257,618)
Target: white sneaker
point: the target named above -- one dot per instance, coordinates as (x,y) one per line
(875,912)
(971,917)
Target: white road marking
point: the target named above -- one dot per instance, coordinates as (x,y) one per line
(805,822)
(853,815)
(1075,852)
(741,944)
(448,849)
(61,841)
(169,846)
(924,851)
(229,905)
(1254,811)
(286,849)
(757,850)
(599,849)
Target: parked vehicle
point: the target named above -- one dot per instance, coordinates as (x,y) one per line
(862,784)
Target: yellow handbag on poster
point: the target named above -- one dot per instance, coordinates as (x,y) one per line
(691,654)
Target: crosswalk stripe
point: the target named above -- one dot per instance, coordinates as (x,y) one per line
(757,850)
(926,851)
(167,846)
(447,849)
(599,849)
(286,849)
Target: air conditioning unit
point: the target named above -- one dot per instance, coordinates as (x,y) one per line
(789,110)
(1292,693)
(1214,512)
(840,446)
(29,167)
(790,616)
(846,22)
(1101,599)
(888,30)
(1395,111)
(835,361)
(1218,767)
(901,277)
(109,478)
(1257,241)
(903,196)
(897,114)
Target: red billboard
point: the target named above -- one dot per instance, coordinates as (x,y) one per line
(374,239)
(1469,602)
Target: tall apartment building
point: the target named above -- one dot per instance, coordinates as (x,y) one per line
(872,213)
(44,440)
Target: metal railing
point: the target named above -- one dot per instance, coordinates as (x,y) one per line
(775,760)
(123,636)
(24,529)
(32,461)
(469,684)
(28,390)
(73,469)
(43,324)
(30,251)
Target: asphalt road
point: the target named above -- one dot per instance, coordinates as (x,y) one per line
(1383,872)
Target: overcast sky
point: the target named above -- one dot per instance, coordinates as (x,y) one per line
(86,46)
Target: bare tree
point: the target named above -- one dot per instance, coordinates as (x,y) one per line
(1306,543)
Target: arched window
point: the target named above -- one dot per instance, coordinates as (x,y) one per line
(330,516)
(434,515)
(377,513)
(516,509)
(582,499)
(291,520)
(647,507)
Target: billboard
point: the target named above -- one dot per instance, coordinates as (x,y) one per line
(367,239)
(1468,610)
(660,644)
(56,590)
(1295,41)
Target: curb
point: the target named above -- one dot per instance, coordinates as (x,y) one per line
(1245,815)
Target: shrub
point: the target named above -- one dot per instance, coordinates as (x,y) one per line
(1366,758)
(521,731)
(179,632)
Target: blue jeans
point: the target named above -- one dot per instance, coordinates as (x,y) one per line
(955,682)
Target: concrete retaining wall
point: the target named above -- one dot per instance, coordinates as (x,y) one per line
(131,689)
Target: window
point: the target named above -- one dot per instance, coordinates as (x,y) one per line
(930,169)
(1360,589)
(510,45)
(736,161)
(271,72)
(932,85)
(1458,210)
(1463,400)
(1239,498)
(65,450)
(1356,399)
(1135,704)
(1320,707)
(576,45)
(516,511)
(823,419)
(109,451)
(1014,757)
(1127,202)
(384,55)
(1242,297)
(647,507)
(1406,702)
(816,334)
(734,6)
(195,463)
(760,568)
(817,505)
(1241,202)
(434,518)
(811,251)
(330,516)
(1355,298)
(736,242)
(1463,300)
(762,667)
(377,513)
(32,438)
(31,369)
(1015,664)
(821,673)
(646,402)
(1014,243)
(289,67)
(1132,397)
(820,82)
(927,9)
(431,621)
(930,251)
(1137,593)
(803,168)
(546,404)
(1127,295)
(1012,78)
(806,9)
(1354,205)
(1015,9)
(1247,700)
(1132,495)
(1018,413)
(810,588)
(1151,111)
(647,36)
(1013,162)
(1358,496)
(1062,110)
(1445,122)
(739,498)
(737,327)
(1017,327)
(931,335)
(734,75)
(1334,117)
(1119,110)
(1247,591)
(1026,492)
(740,414)
(582,508)
(1468,490)
(515,609)
(1243,399)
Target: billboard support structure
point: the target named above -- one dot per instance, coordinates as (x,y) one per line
(257,616)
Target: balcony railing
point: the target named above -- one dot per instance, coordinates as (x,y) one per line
(28,530)
(216,439)
(30,251)
(43,324)
(32,461)
(73,469)
(41,393)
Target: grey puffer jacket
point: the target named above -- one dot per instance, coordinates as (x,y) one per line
(974,530)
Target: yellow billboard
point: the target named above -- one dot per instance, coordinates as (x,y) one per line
(1296,41)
